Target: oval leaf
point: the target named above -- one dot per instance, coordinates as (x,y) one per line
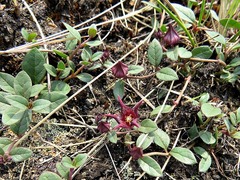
(167,74)
(135,69)
(23,84)
(216,36)
(17,101)
(33,64)
(62,170)
(60,86)
(202,52)
(73,31)
(118,89)
(155,53)
(161,138)
(12,115)
(6,82)
(47,175)
(184,12)
(20,154)
(230,23)
(147,126)
(150,166)
(205,164)
(209,111)
(184,53)
(40,106)
(79,160)
(183,155)
(207,137)
(85,77)
(145,141)
(166,109)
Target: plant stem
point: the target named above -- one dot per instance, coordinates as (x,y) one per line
(73,75)
(208,60)
(70,173)
(81,45)
(156,153)
(141,77)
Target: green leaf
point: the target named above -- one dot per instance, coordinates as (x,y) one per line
(71,44)
(230,23)
(85,77)
(17,101)
(118,89)
(94,43)
(205,164)
(47,175)
(3,102)
(23,84)
(204,98)
(167,74)
(24,34)
(207,137)
(67,162)
(33,65)
(21,126)
(61,66)
(64,73)
(173,54)
(96,56)
(229,126)
(61,54)
(51,69)
(60,87)
(234,62)
(193,132)
(86,54)
(135,69)
(155,52)
(73,31)
(147,126)
(184,53)
(1,151)
(200,151)
(216,36)
(233,118)
(41,106)
(183,155)
(214,15)
(79,160)
(145,141)
(161,138)
(5,143)
(12,115)
(55,98)
(36,89)
(238,115)
(210,111)
(150,166)
(202,52)
(236,135)
(184,12)
(112,136)
(166,109)
(19,154)
(62,170)
(6,82)
(92,31)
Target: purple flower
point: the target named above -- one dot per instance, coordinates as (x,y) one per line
(128,118)
(120,70)
(159,34)
(136,152)
(171,38)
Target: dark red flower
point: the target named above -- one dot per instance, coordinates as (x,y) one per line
(120,70)
(158,34)
(102,126)
(171,38)
(136,152)
(128,118)
(105,55)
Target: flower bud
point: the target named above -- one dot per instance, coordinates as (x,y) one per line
(158,34)
(171,38)
(120,70)
(105,55)
(136,152)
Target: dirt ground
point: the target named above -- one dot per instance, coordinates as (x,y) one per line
(51,15)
